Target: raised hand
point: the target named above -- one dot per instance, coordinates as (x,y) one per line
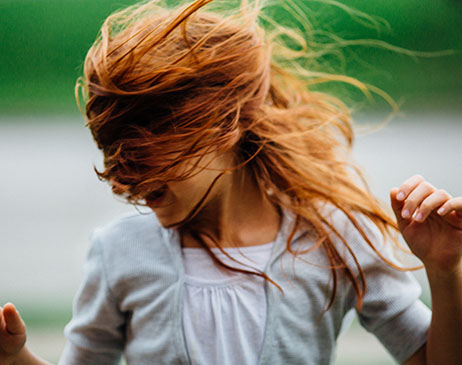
(430,221)
(12,333)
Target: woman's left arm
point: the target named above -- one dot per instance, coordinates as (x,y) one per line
(430,221)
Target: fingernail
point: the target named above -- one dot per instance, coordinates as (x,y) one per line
(441,211)
(400,196)
(405,214)
(419,217)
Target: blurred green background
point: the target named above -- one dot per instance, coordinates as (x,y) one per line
(43,44)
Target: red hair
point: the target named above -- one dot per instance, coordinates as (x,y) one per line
(166,86)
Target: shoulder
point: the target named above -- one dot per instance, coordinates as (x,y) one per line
(349,227)
(349,233)
(128,226)
(133,239)
(134,250)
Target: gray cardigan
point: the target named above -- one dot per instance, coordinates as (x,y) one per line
(130,301)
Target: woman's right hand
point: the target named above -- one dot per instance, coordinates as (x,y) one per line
(12,333)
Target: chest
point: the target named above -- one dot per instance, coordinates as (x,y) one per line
(294,326)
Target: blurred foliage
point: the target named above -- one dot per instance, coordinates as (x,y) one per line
(43,44)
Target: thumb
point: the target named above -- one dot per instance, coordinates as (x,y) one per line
(14,325)
(397,206)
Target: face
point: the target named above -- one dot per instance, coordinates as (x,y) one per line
(177,199)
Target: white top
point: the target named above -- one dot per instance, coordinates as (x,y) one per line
(131,301)
(224,312)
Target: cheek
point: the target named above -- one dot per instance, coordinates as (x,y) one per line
(185,193)
(192,188)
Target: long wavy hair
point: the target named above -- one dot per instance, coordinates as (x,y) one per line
(167,85)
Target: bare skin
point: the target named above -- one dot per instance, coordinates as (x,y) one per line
(250,218)
(435,237)
(13,338)
(430,221)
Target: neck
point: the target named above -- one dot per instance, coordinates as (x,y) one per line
(238,214)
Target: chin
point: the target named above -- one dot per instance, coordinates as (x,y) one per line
(167,220)
(164,220)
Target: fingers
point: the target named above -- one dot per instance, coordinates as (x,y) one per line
(454,204)
(12,332)
(12,322)
(416,198)
(431,203)
(2,321)
(408,186)
(397,206)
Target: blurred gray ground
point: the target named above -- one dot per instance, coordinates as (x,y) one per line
(51,200)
